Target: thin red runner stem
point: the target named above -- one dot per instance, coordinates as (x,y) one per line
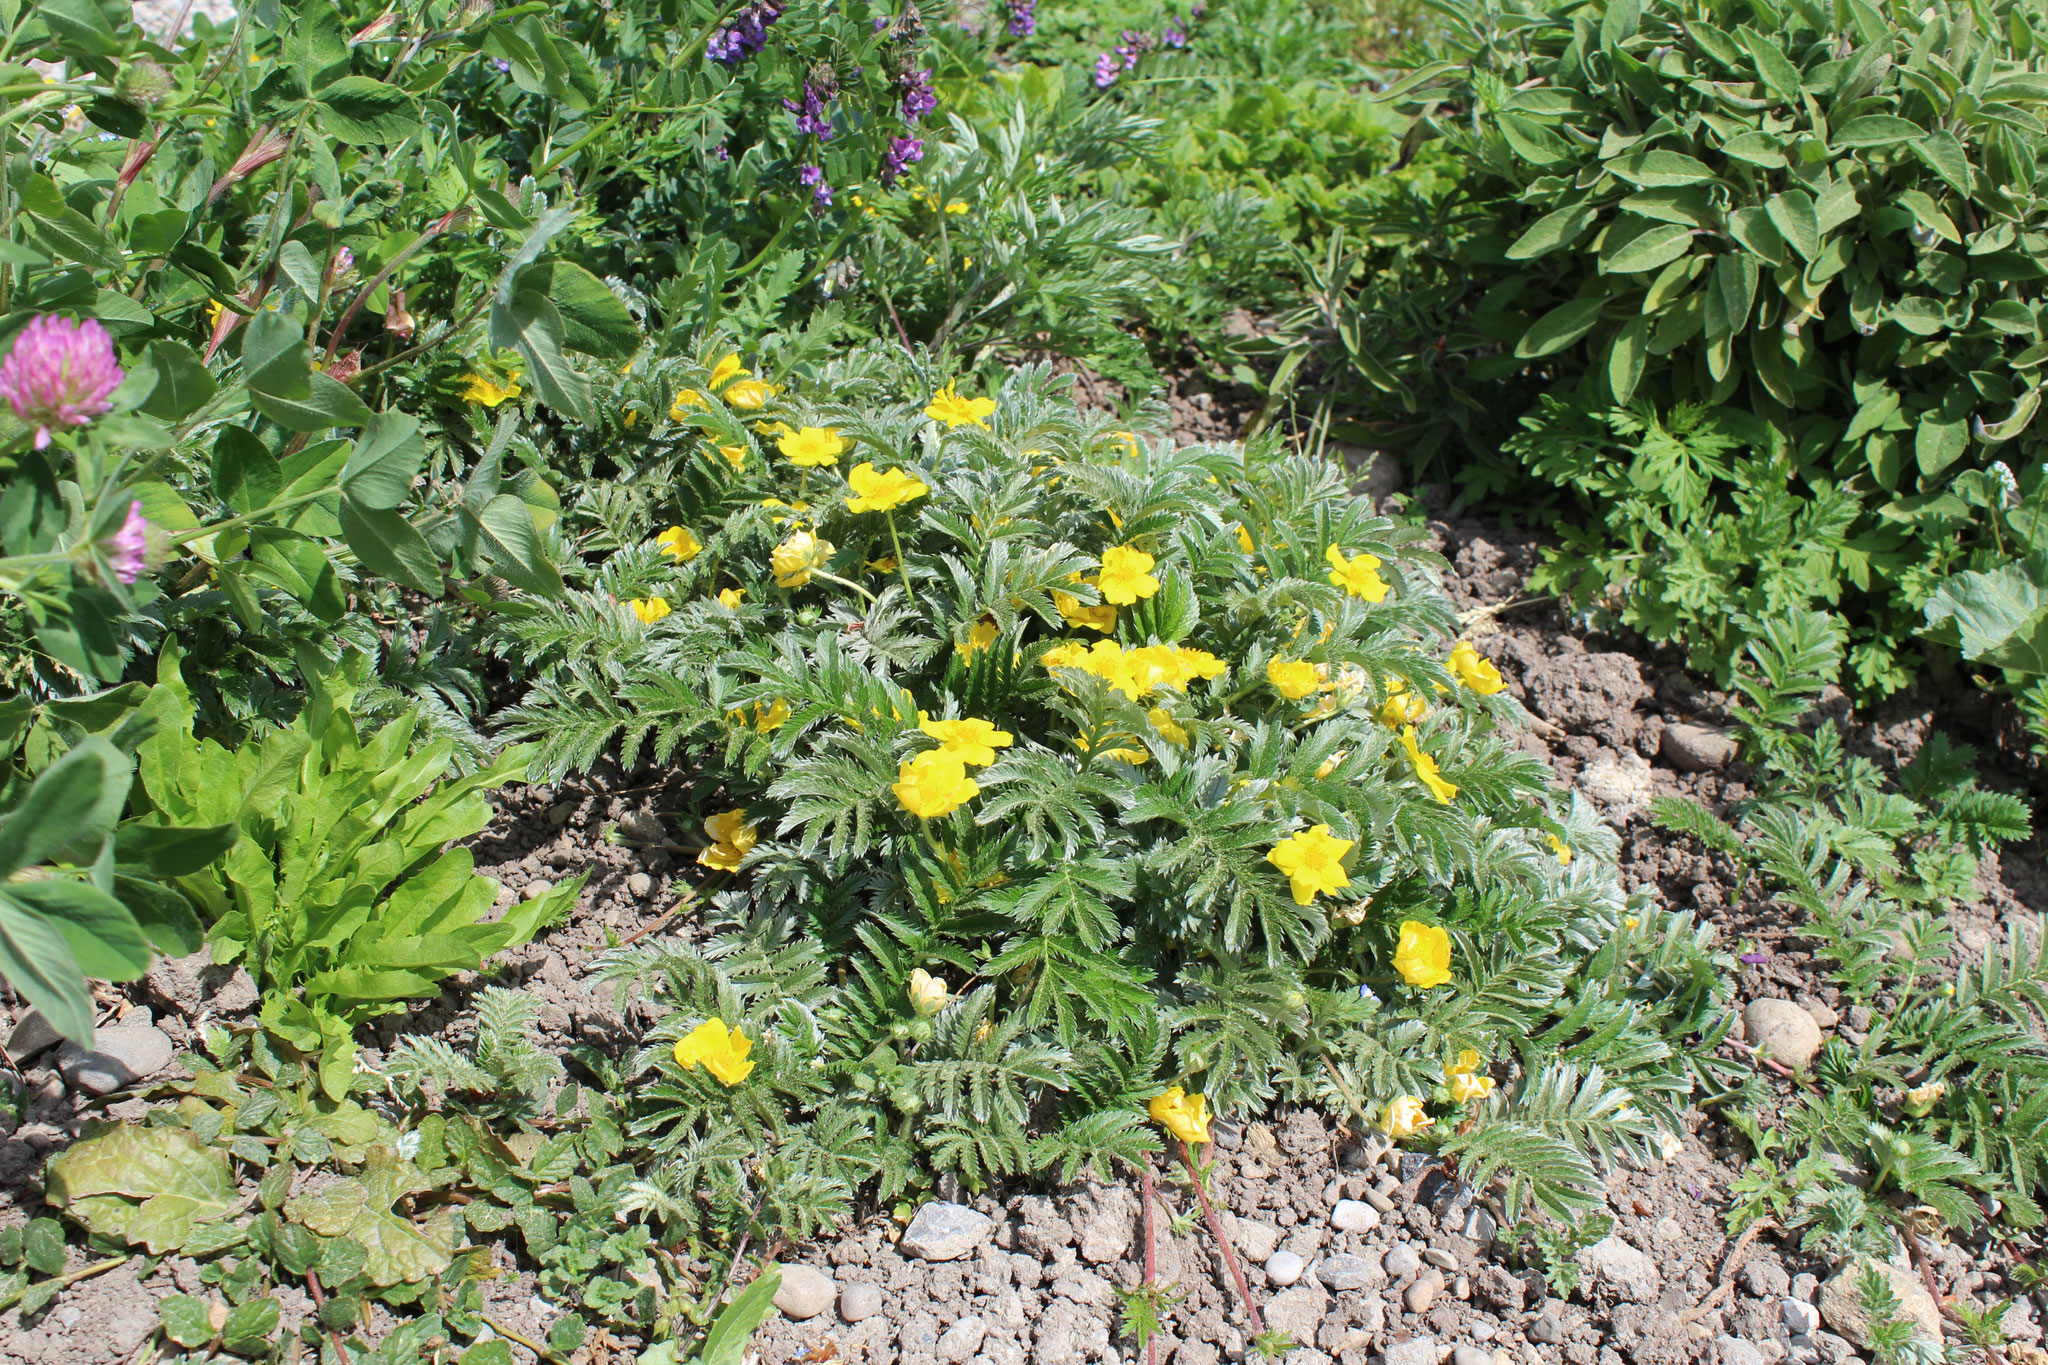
(1244,1291)
(1151,1255)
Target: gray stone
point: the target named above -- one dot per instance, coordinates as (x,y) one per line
(1284,1268)
(640,885)
(1480,1226)
(1805,1286)
(1626,1272)
(945,1232)
(1254,1241)
(1401,1260)
(1349,1272)
(1419,1296)
(1297,1311)
(962,1340)
(1379,1198)
(1736,1351)
(1801,1319)
(31,1035)
(859,1300)
(1841,1309)
(1783,1031)
(1442,1260)
(1375,475)
(1470,1355)
(805,1292)
(1618,781)
(1697,748)
(537,888)
(1546,1329)
(1352,1215)
(1105,1222)
(559,813)
(1083,1286)
(641,828)
(120,1056)
(1414,1351)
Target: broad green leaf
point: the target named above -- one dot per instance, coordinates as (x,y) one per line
(76,802)
(1773,67)
(299,566)
(1648,250)
(1656,169)
(275,358)
(1792,213)
(187,1321)
(326,402)
(37,962)
(1939,442)
(386,459)
(1945,156)
(1877,130)
(1757,148)
(183,383)
(1920,315)
(2014,423)
(397,1249)
(1625,361)
(360,109)
(1558,228)
(1730,294)
(250,1326)
(505,526)
(734,1327)
(1560,327)
(246,475)
(148,1185)
(593,320)
(387,545)
(2001,617)
(532,325)
(105,940)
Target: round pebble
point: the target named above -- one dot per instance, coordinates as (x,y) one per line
(1284,1268)
(859,1300)
(1351,1215)
(1401,1260)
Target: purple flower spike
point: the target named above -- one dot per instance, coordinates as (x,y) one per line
(1023,19)
(128,548)
(745,35)
(1106,68)
(59,374)
(903,153)
(814,176)
(918,99)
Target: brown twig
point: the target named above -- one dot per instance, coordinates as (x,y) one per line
(1244,1291)
(1151,1254)
(319,1302)
(1728,1269)
(687,898)
(1941,1302)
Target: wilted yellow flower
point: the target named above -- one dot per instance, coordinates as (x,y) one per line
(1181,1114)
(678,544)
(722,1053)
(874,491)
(1313,861)
(750,393)
(1921,1099)
(1129,441)
(949,407)
(1169,729)
(1126,575)
(1476,673)
(1562,849)
(1293,678)
(726,369)
(886,564)
(812,447)
(1468,1084)
(980,637)
(731,838)
(1078,613)
(1426,769)
(1401,707)
(648,609)
(1358,575)
(1423,956)
(1405,1117)
(1329,765)
(487,392)
(631,417)
(927,993)
(971,741)
(794,559)
(934,784)
(730,597)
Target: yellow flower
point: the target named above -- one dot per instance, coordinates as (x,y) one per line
(979,638)
(729,598)
(886,564)
(648,609)
(1129,441)
(751,393)
(722,1053)
(727,369)
(1329,765)
(678,544)
(877,492)
(927,993)
(1468,1084)
(1313,861)
(736,456)
(1629,922)
(1405,1117)
(1423,957)
(679,411)
(812,447)
(971,741)
(1181,1114)
(1402,707)
(1562,849)
(958,206)
(949,407)
(1293,678)
(731,837)
(487,392)
(1921,1099)
(934,784)
(1426,769)
(793,560)
(1078,613)
(1244,540)
(769,719)
(1476,673)
(1066,654)
(1169,729)
(1358,575)
(1126,575)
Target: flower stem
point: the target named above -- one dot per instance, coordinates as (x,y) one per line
(1244,1291)
(901,567)
(835,578)
(1151,1252)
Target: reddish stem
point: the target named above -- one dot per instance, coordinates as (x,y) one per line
(1151,1255)
(1244,1291)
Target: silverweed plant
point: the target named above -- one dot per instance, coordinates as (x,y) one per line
(1047,774)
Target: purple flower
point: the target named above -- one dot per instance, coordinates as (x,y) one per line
(1173,37)
(128,548)
(745,35)
(59,374)
(903,153)
(503,65)
(1754,959)
(918,99)
(1023,20)
(814,176)
(814,115)
(1106,68)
